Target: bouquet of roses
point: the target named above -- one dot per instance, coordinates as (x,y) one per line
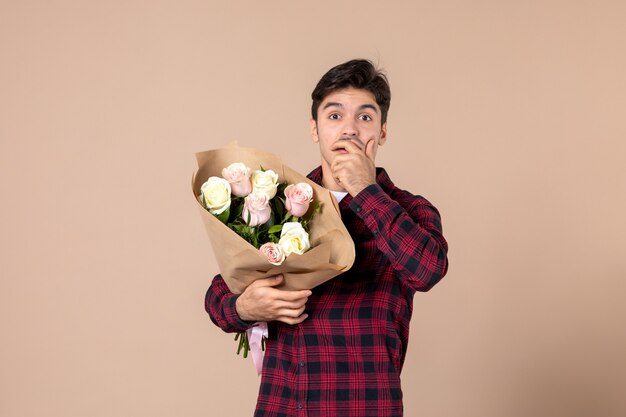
(268,221)
(273,217)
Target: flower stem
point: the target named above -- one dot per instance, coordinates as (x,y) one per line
(244,343)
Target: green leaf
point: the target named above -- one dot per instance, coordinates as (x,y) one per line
(275,229)
(223,216)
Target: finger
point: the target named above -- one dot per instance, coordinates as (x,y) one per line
(369,149)
(293,305)
(348,145)
(293,295)
(291,320)
(338,172)
(268,282)
(342,162)
(289,312)
(343,158)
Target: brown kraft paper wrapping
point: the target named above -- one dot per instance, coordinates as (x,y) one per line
(240,263)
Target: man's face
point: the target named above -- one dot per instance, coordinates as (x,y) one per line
(347,115)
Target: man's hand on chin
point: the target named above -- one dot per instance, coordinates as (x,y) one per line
(354,170)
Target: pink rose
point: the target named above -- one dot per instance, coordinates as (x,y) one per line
(299,196)
(273,252)
(256,206)
(238,175)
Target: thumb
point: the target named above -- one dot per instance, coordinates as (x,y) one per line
(369,149)
(268,282)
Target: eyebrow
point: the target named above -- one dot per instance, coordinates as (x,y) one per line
(361,107)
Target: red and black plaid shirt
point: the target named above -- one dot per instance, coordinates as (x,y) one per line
(345,359)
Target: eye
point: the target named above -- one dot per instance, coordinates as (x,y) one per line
(365,117)
(334,116)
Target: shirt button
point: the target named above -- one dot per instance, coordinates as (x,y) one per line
(300,405)
(358,209)
(301,364)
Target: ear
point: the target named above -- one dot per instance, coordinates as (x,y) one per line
(383,135)
(313,130)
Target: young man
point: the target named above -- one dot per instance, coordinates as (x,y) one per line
(338,350)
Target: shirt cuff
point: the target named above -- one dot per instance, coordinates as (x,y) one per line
(230,313)
(368,202)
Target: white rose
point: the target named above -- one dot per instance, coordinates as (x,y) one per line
(265,182)
(294,239)
(216,194)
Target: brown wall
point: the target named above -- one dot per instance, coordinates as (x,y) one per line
(508,115)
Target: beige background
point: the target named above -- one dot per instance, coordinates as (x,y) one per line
(508,115)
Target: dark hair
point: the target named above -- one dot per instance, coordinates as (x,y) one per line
(357,73)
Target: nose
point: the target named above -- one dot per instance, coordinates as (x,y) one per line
(349,128)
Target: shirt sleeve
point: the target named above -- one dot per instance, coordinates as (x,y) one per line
(219,302)
(409,234)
